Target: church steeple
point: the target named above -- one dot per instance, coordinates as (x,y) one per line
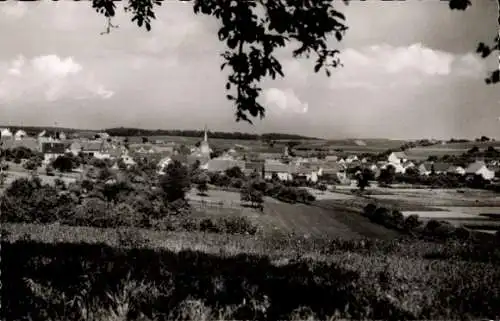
(205,148)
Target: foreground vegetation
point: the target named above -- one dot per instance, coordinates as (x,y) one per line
(296,279)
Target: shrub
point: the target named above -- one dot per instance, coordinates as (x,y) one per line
(397,219)
(207,225)
(369,210)
(31,164)
(92,212)
(238,225)
(411,222)
(380,216)
(125,215)
(131,238)
(462,234)
(63,164)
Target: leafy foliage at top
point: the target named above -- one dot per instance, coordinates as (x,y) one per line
(253,30)
(251,39)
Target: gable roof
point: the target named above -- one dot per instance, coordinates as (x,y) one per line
(441,167)
(474,167)
(400,154)
(93,146)
(53,148)
(275,167)
(220,165)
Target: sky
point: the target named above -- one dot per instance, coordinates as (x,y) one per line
(409,71)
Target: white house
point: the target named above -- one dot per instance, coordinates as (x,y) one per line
(5,133)
(20,134)
(351,158)
(456,170)
(398,168)
(479,168)
(397,158)
(52,150)
(283,171)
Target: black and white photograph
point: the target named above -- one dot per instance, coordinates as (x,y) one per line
(249,160)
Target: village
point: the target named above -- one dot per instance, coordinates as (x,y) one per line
(331,169)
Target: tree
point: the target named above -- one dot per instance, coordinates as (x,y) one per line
(32,164)
(250,194)
(175,183)
(63,164)
(234,172)
(387,175)
(202,184)
(364,177)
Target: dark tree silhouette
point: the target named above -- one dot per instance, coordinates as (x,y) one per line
(63,164)
(251,40)
(175,183)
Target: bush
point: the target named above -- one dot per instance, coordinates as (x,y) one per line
(31,164)
(381,216)
(369,210)
(411,222)
(462,234)
(63,164)
(237,225)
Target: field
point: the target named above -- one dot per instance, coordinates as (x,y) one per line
(306,220)
(456,149)
(355,145)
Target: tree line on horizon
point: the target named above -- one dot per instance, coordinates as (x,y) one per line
(129,132)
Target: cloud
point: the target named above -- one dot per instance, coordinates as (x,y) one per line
(13,10)
(284,100)
(48,77)
(387,66)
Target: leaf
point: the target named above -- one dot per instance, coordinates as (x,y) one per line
(228,86)
(317,67)
(495,76)
(338,35)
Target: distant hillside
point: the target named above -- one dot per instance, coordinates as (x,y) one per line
(127,132)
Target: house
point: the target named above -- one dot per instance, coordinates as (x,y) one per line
(20,134)
(397,157)
(283,171)
(254,167)
(398,167)
(456,170)
(218,165)
(425,168)
(5,133)
(310,173)
(103,135)
(164,162)
(52,150)
(128,160)
(479,168)
(440,168)
(266,156)
(93,149)
(351,159)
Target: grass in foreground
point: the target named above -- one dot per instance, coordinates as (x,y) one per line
(56,276)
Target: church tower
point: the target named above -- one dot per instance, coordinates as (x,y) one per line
(205,148)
